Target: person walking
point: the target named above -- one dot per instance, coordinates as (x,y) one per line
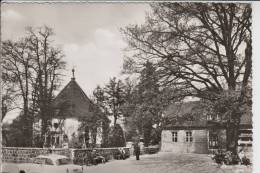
(137,151)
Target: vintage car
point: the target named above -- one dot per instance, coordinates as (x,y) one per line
(51,163)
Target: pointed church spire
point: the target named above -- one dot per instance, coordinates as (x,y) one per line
(73,74)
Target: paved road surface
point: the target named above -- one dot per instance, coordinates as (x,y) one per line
(166,163)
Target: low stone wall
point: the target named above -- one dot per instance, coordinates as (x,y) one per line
(151,150)
(83,156)
(79,156)
(24,155)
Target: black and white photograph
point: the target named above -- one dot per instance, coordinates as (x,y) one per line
(133,87)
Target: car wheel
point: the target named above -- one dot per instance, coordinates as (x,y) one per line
(21,171)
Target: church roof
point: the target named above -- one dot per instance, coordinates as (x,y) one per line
(72,102)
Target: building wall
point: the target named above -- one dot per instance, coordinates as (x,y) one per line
(71,126)
(199,142)
(68,126)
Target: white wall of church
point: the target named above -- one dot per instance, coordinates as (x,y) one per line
(69,126)
(99,136)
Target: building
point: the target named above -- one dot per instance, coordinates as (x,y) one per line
(191,130)
(76,118)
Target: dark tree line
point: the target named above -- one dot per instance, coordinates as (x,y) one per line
(110,99)
(138,103)
(145,105)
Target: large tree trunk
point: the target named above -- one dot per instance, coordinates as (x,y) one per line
(27,126)
(115,119)
(233,132)
(44,129)
(147,129)
(94,136)
(105,133)
(232,137)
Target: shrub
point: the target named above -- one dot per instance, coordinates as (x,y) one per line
(245,161)
(116,137)
(219,157)
(227,158)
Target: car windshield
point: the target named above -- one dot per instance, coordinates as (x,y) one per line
(45,161)
(63,161)
(39,160)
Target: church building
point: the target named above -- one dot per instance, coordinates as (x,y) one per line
(76,119)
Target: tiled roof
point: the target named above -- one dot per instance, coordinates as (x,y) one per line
(191,115)
(72,102)
(186,114)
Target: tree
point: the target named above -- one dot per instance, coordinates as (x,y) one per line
(145,104)
(8,93)
(204,49)
(148,91)
(99,98)
(129,110)
(114,98)
(95,125)
(12,133)
(99,101)
(48,67)
(33,66)
(17,61)
(116,137)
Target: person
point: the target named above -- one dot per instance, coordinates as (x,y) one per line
(93,157)
(123,154)
(137,151)
(50,151)
(241,155)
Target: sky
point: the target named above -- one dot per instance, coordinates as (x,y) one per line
(88,33)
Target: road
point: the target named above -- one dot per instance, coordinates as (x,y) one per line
(165,163)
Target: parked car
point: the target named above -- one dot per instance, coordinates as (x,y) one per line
(51,163)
